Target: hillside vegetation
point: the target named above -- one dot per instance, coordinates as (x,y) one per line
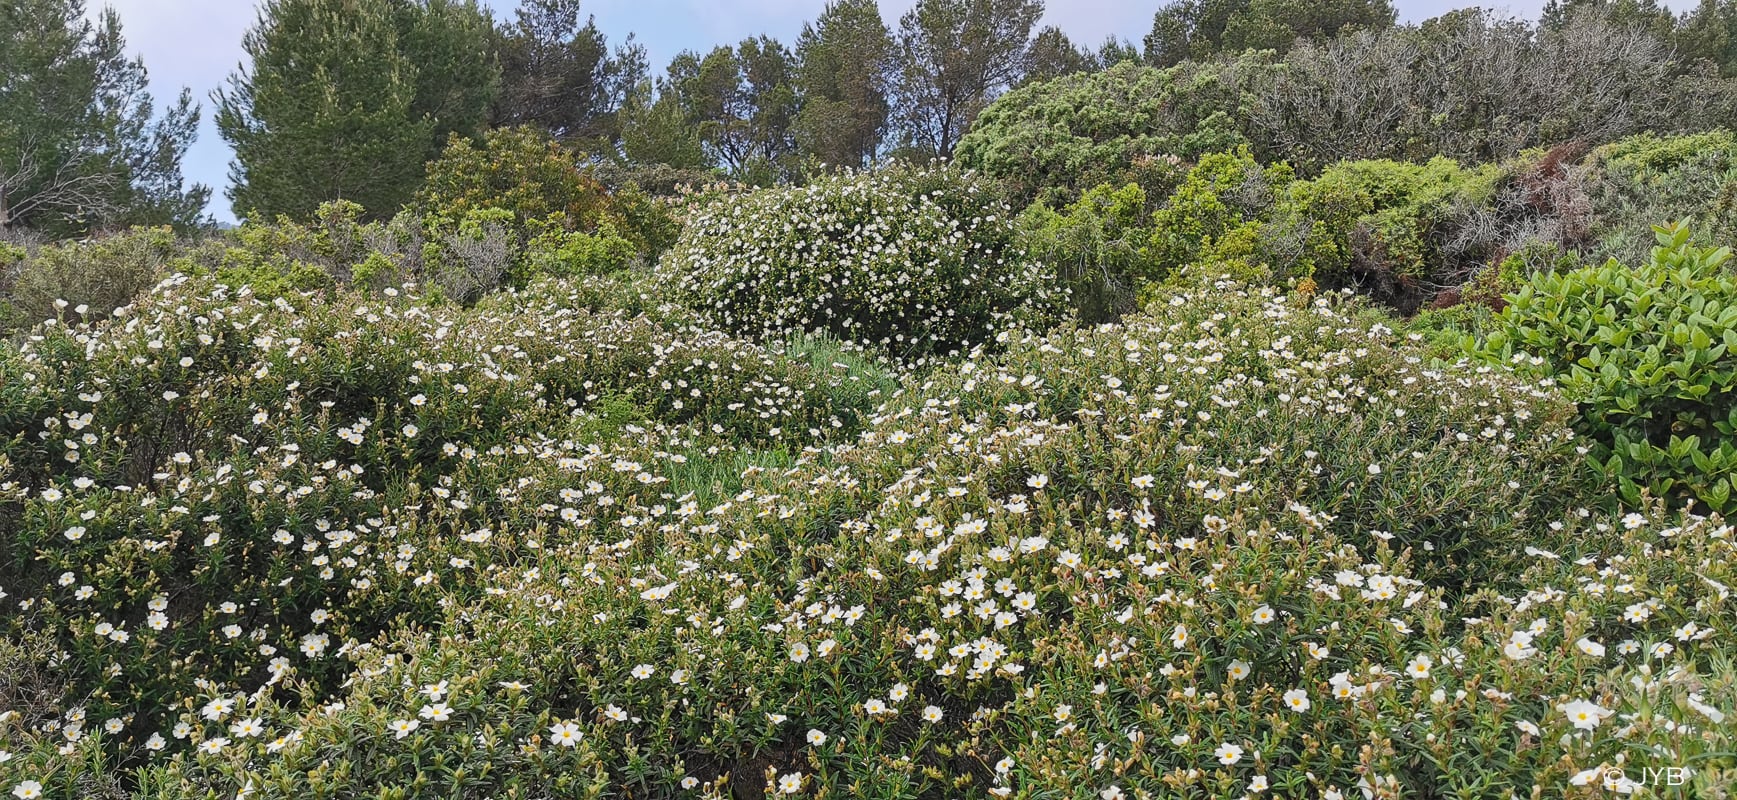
(1150,446)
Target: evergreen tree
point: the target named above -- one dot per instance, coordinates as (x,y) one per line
(955,56)
(1199,29)
(1053,55)
(742,101)
(1709,33)
(348,99)
(81,146)
(559,75)
(655,130)
(843,81)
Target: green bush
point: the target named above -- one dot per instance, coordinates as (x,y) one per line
(1647,351)
(1215,217)
(525,172)
(1097,246)
(1396,232)
(1635,182)
(1055,140)
(83,280)
(553,250)
(919,262)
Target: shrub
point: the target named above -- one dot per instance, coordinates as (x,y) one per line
(85,280)
(1638,181)
(222,490)
(1215,215)
(920,262)
(523,171)
(1098,247)
(518,169)
(1647,352)
(1476,86)
(1056,139)
(1086,566)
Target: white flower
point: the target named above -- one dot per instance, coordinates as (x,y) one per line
(213,746)
(438,712)
(791,783)
(643,671)
(1590,647)
(816,738)
(1264,615)
(932,713)
(404,727)
(1585,714)
(565,734)
(1297,700)
(218,708)
(27,790)
(1228,754)
(1586,777)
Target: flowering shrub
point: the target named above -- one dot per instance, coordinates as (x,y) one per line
(1242,543)
(917,262)
(217,490)
(1647,352)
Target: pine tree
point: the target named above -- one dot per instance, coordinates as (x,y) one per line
(742,102)
(348,99)
(955,56)
(843,79)
(558,74)
(81,147)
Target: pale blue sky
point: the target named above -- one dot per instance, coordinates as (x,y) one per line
(197,43)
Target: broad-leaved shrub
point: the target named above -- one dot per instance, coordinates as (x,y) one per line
(1648,353)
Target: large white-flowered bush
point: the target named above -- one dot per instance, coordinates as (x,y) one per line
(913,261)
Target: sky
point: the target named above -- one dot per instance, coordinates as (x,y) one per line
(197,43)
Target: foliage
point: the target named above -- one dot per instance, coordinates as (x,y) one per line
(1476,87)
(559,75)
(272,481)
(347,99)
(1647,352)
(1130,122)
(1214,216)
(917,262)
(1200,29)
(656,132)
(81,146)
(1097,246)
(843,62)
(520,170)
(954,57)
(1635,182)
(741,103)
(1401,233)
(1163,585)
(85,280)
